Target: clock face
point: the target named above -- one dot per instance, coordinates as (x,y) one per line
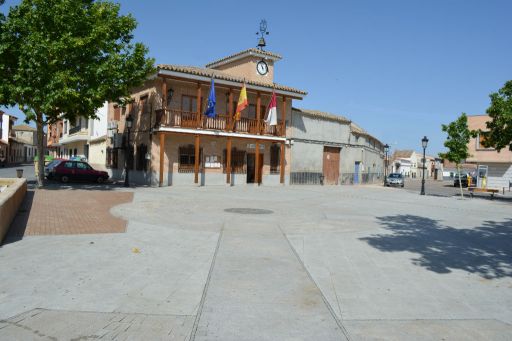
(262,67)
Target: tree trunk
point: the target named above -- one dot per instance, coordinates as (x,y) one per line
(40,150)
(460,182)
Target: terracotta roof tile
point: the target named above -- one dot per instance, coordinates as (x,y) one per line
(23,127)
(205,72)
(322,114)
(402,153)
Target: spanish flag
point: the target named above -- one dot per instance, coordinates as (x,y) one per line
(242,103)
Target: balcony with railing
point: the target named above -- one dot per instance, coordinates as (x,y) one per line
(75,130)
(185,119)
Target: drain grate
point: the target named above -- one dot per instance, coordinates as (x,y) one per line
(244,210)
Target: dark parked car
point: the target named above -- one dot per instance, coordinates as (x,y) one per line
(395,179)
(463,180)
(67,170)
(49,167)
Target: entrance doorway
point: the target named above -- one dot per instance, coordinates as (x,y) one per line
(331,165)
(356,172)
(251,168)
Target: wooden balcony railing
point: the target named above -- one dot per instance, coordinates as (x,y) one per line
(187,119)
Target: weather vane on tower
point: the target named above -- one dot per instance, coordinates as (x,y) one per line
(262,33)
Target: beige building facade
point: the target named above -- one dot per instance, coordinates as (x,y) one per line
(172,142)
(493,166)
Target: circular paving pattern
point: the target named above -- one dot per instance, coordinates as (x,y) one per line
(244,210)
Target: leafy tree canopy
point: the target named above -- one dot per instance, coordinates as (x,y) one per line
(458,139)
(499,134)
(68,57)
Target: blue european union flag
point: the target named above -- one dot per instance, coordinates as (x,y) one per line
(210,108)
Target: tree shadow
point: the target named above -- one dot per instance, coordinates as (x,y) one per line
(485,250)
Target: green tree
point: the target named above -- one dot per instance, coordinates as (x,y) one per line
(499,134)
(65,58)
(457,142)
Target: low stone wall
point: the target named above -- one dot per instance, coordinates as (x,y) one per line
(10,201)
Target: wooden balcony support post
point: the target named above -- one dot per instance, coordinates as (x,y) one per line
(257,162)
(162,150)
(196,160)
(164,93)
(163,116)
(281,163)
(230,110)
(283,117)
(228,161)
(258,113)
(198,105)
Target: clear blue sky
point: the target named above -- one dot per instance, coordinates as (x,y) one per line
(397,68)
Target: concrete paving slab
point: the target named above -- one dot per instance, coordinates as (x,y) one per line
(42,324)
(426,330)
(259,290)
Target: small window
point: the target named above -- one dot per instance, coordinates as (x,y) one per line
(187,159)
(141,157)
(188,103)
(237,161)
(81,165)
(69,165)
(143,105)
(117,113)
(481,138)
(111,158)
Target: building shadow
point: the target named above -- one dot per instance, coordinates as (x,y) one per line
(484,250)
(19,224)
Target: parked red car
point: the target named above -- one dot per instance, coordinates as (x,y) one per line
(68,170)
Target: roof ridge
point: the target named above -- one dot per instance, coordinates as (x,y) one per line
(249,50)
(208,72)
(321,113)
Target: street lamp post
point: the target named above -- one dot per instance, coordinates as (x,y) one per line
(129,121)
(424,142)
(386,150)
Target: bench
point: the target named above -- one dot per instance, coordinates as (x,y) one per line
(493,191)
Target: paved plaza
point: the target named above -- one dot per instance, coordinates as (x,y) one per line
(268,263)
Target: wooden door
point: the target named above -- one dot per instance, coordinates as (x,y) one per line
(356,172)
(331,165)
(251,168)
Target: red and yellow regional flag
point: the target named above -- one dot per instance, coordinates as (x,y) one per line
(242,103)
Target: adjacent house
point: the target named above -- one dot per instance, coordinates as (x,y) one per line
(26,141)
(405,162)
(6,134)
(81,137)
(13,149)
(494,169)
(331,149)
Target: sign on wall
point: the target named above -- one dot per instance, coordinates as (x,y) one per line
(212,161)
(253,146)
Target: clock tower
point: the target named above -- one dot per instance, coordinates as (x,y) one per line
(254,64)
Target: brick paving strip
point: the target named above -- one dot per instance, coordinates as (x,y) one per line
(53,212)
